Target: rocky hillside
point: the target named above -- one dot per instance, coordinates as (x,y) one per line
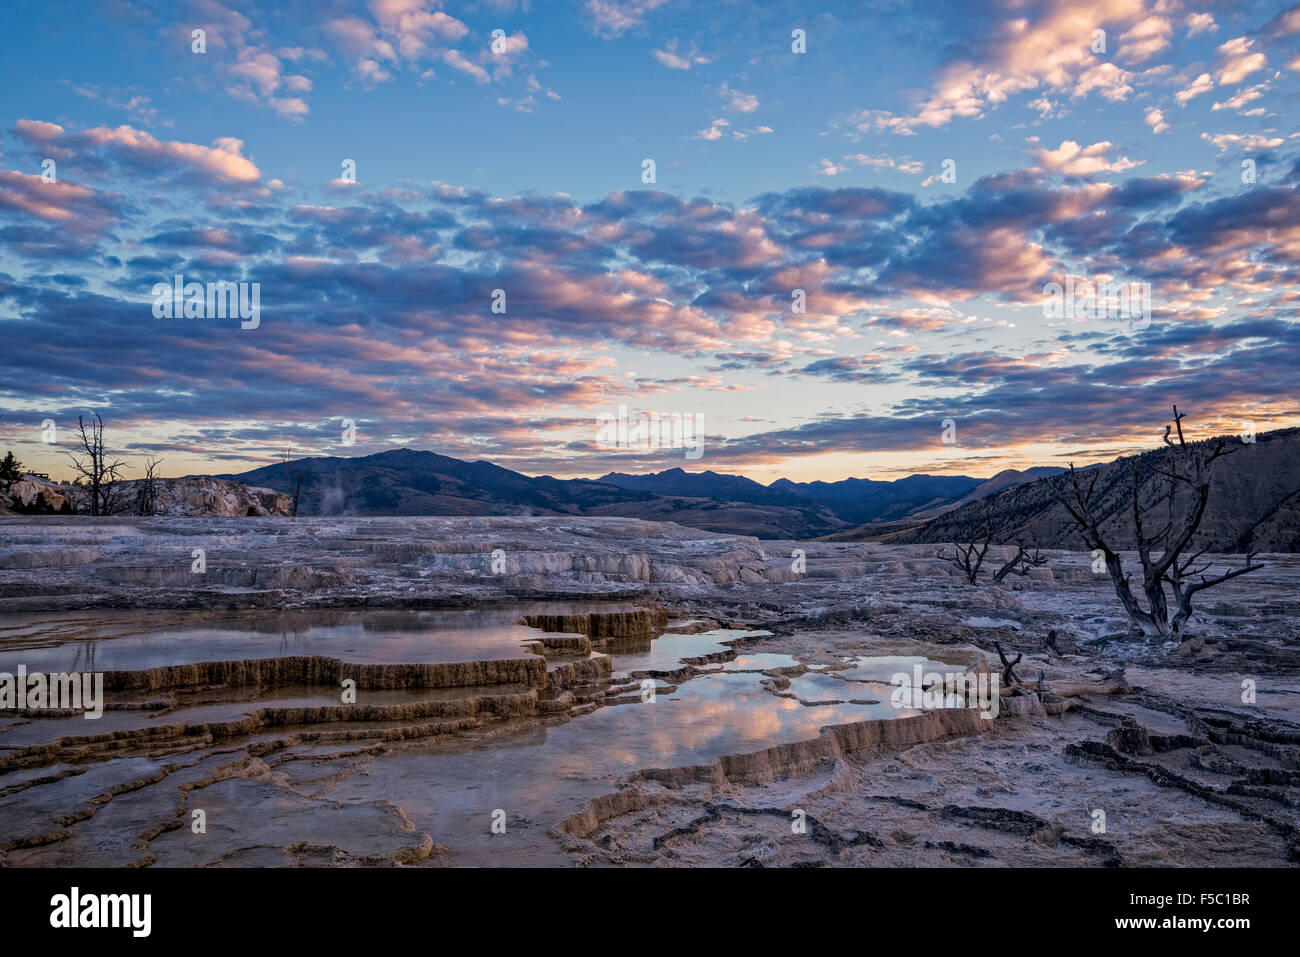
(1005,479)
(204,495)
(33,495)
(193,496)
(1254,503)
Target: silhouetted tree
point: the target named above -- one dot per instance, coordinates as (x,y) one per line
(1183,501)
(146,490)
(99,472)
(293,478)
(1020,562)
(969,559)
(11,470)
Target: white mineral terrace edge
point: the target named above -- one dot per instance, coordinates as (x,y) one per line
(536,743)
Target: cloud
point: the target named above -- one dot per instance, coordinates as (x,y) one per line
(1247,142)
(1145,39)
(414,27)
(412,33)
(1155,119)
(1202,84)
(1106,79)
(714,130)
(71,205)
(1198,23)
(1051,50)
(360,41)
(1071,159)
(221,163)
(458,61)
(1004,401)
(612,18)
(1242,97)
(1286,23)
(138,108)
(878,163)
(37,131)
(1236,61)
(848,368)
(738,102)
(670,58)
(250,69)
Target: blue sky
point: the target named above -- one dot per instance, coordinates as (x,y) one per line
(1111,156)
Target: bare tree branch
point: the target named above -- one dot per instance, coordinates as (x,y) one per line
(146,489)
(1009,679)
(1020,562)
(293,479)
(970,558)
(1187,470)
(100,472)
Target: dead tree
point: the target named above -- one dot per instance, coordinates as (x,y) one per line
(146,490)
(293,480)
(970,558)
(1184,497)
(1009,679)
(99,472)
(1020,562)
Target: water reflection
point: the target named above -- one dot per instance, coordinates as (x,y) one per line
(449,786)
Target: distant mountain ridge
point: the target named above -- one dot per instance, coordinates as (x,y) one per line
(411,482)
(851,499)
(1005,479)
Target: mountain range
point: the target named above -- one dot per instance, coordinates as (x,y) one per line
(409,482)
(1255,499)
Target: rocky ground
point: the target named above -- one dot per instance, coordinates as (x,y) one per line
(1133,753)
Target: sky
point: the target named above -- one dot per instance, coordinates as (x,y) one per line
(827,235)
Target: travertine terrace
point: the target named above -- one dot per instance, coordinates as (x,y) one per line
(610,691)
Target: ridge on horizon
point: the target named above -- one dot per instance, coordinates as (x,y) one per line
(680,471)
